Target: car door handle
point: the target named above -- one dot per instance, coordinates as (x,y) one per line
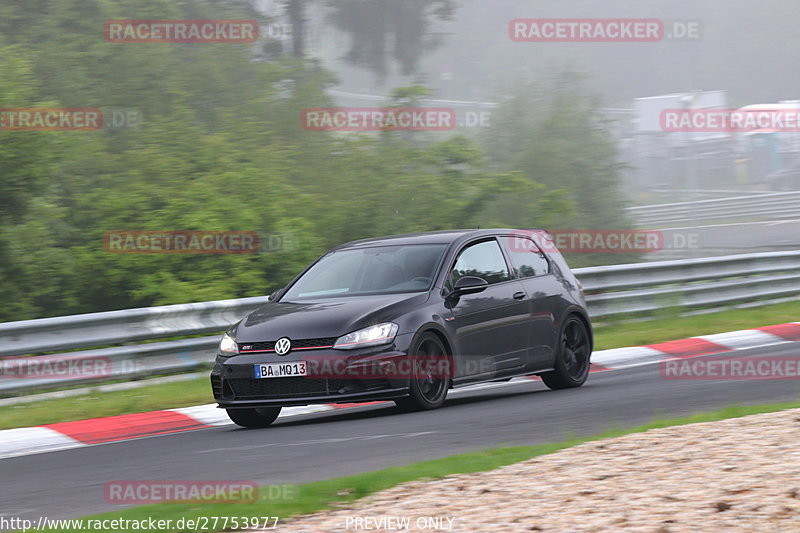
(519,295)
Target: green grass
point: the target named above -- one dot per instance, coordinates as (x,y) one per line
(316,496)
(197,392)
(669,327)
(98,404)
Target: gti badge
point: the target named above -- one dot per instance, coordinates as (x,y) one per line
(283,346)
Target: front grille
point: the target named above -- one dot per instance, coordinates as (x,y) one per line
(313,343)
(297,344)
(284,387)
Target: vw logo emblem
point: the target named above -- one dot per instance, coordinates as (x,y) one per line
(283,346)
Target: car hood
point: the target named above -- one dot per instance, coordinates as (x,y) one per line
(322,318)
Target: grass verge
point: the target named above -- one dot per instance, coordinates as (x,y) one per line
(97,404)
(197,392)
(671,327)
(316,496)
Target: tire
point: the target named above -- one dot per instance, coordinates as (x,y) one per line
(254,418)
(429,392)
(572,358)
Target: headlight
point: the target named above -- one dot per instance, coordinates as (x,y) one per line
(228,346)
(371,336)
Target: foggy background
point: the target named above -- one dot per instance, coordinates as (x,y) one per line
(550,135)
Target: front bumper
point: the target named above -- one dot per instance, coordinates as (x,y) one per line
(371,396)
(235,386)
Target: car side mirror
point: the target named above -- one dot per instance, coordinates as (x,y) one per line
(469,285)
(272,296)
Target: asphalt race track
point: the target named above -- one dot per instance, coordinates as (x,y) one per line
(69,483)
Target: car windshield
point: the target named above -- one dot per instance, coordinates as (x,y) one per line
(377,270)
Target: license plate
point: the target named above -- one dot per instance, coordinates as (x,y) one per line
(280,370)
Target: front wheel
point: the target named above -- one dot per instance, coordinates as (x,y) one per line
(572,357)
(254,418)
(427,387)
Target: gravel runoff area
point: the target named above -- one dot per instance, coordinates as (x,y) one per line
(735,475)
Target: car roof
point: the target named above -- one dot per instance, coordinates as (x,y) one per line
(430,237)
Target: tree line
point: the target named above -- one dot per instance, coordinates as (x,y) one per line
(220,147)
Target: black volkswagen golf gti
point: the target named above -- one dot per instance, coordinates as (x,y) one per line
(406,318)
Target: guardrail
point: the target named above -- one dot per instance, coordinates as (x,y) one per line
(770,206)
(689,284)
(611,291)
(118,327)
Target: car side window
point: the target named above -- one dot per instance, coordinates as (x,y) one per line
(485,260)
(527,259)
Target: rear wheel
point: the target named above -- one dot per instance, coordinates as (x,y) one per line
(428,389)
(254,418)
(572,357)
